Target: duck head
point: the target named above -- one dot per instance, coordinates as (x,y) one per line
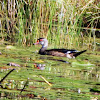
(42,41)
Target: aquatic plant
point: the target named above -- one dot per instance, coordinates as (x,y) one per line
(60,21)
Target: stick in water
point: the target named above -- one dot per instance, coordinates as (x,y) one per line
(6,75)
(24,86)
(46,81)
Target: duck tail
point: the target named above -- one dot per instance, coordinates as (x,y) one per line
(78,53)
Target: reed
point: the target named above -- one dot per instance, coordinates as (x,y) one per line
(64,22)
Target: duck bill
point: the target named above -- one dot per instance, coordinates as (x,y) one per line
(36,43)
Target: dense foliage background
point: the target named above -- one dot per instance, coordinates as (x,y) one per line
(63,21)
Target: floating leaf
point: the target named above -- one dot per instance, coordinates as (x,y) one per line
(10,47)
(38,61)
(82,64)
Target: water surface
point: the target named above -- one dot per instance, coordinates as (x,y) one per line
(78,79)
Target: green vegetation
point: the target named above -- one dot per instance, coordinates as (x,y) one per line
(66,24)
(71,81)
(70,22)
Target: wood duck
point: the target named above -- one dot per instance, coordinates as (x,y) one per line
(56,52)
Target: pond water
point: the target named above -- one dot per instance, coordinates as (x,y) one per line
(77,79)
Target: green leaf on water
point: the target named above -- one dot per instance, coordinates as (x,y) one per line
(74,64)
(10,47)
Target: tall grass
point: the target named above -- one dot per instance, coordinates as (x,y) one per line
(64,22)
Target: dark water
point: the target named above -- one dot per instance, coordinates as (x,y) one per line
(39,77)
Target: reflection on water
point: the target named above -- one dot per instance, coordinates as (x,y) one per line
(77,79)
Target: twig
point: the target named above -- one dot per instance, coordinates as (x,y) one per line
(46,81)
(24,86)
(6,75)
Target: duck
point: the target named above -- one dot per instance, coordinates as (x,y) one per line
(69,53)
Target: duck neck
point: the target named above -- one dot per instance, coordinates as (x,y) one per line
(44,47)
(42,50)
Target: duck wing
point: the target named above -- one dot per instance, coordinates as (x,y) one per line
(63,50)
(59,52)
